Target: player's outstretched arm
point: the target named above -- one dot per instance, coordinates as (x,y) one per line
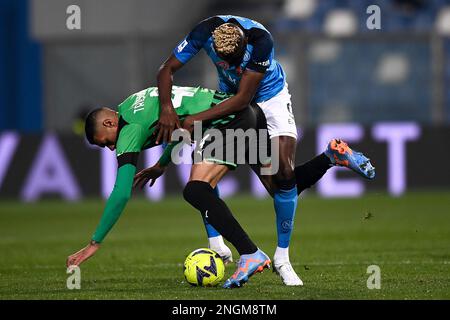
(113,209)
(247,88)
(79,257)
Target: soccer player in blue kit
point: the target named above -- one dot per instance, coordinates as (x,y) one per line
(243,53)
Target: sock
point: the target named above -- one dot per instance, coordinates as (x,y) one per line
(210,231)
(281,255)
(285,203)
(307,174)
(216,243)
(202,197)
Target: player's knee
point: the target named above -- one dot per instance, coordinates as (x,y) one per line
(285,173)
(285,178)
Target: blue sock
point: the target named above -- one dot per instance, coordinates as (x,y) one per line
(285,203)
(210,231)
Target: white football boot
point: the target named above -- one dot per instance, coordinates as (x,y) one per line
(282,266)
(287,274)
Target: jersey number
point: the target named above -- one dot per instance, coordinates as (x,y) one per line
(178,93)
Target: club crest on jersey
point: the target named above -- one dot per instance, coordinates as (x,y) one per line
(223,64)
(239,71)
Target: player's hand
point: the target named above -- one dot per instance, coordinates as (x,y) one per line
(152,173)
(79,257)
(188,124)
(168,122)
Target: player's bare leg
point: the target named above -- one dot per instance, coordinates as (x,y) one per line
(208,172)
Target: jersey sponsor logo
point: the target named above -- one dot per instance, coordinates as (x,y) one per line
(182,45)
(229,78)
(263,63)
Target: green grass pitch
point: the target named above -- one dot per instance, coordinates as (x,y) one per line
(333,244)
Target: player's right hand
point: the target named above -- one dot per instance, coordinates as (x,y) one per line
(152,173)
(80,256)
(168,122)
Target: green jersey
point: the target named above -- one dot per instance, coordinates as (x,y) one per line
(139,114)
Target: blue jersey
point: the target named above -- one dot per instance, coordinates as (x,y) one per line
(259,55)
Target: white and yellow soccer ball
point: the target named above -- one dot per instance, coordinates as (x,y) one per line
(204,267)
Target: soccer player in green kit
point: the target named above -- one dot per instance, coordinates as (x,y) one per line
(131,130)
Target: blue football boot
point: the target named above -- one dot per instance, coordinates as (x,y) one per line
(248,265)
(341,154)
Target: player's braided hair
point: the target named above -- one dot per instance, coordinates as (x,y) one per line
(227,38)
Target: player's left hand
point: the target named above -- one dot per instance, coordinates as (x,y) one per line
(152,173)
(79,257)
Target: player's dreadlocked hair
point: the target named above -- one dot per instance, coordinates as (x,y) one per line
(227,39)
(90,124)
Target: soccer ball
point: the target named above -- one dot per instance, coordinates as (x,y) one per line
(204,267)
